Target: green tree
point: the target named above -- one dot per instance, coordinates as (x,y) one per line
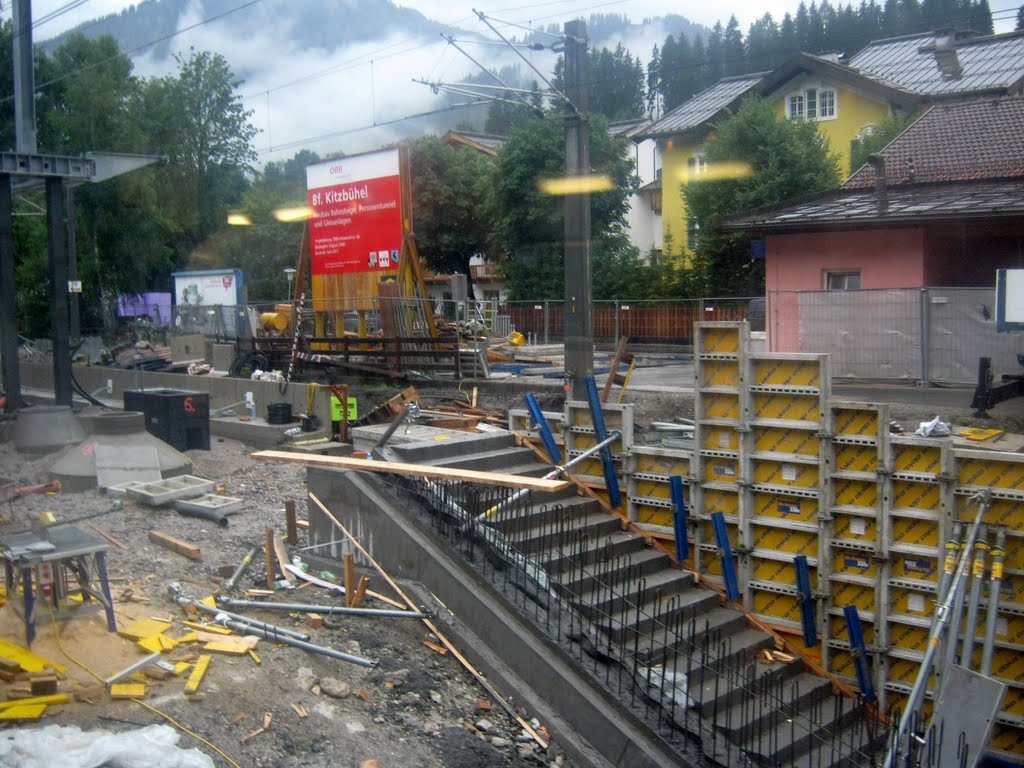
(1020,19)
(785,159)
(877,139)
(196,118)
(528,225)
(451,193)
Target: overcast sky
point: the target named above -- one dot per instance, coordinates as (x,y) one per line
(331,102)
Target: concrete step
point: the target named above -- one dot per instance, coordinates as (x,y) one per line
(514,518)
(641,562)
(786,682)
(787,735)
(541,537)
(701,634)
(725,667)
(637,591)
(858,745)
(591,555)
(488,459)
(423,451)
(656,624)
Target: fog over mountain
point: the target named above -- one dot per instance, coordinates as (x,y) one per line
(338,77)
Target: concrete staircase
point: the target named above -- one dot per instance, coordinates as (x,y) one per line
(682,648)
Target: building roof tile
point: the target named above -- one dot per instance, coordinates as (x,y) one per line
(965,141)
(701,108)
(935,65)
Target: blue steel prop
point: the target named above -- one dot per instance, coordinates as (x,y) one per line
(537,416)
(860,652)
(732,589)
(803,585)
(675,487)
(610,480)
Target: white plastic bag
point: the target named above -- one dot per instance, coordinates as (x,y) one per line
(934,428)
(151,747)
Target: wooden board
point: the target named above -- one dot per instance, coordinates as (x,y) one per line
(175,545)
(417,470)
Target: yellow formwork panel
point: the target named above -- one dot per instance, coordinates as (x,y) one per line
(775,605)
(770,472)
(837,629)
(911,602)
(592,466)
(1008,738)
(804,408)
(786,373)
(781,440)
(926,459)
(908,636)
(861,596)
(1012,588)
(580,415)
(1013,701)
(649,514)
(710,564)
(1001,512)
(722,470)
(720,439)
(794,542)
(662,465)
(1007,475)
(719,405)
(855,458)
(912,530)
(785,507)
(915,566)
(907,494)
(906,671)
(855,422)
(719,373)
(656,489)
(840,662)
(718,341)
(775,571)
(850,562)
(582,441)
(1010,629)
(718,500)
(855,493)
(855,528)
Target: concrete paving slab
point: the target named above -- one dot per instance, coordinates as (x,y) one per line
(210,502)
(165,491)
(116,464)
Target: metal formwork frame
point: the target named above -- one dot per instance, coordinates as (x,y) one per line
(579,435)
(648,469)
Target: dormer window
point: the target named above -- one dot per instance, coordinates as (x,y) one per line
(811,104)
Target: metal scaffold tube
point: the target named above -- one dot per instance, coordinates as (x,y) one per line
(322,609)
(977,578)
(942,620)
(996,583)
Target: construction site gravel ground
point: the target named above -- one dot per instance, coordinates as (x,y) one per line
(416,708)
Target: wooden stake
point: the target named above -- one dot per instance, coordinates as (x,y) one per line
(191,551)
(432,627)
(357,598)
(291,526)
(268,553)
(349,562)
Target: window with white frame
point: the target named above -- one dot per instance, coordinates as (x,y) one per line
(696,165)
(812,103)
(847,280)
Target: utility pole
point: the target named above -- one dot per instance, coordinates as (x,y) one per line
(578,316)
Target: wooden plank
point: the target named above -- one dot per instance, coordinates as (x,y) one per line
(290,524)
(197,673)
(417,470)
(165,540)
(349,566)
(357,598)
(282,559)
(107,536)
(268,555)
(128,690)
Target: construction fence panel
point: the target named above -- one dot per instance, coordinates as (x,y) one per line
(933,335)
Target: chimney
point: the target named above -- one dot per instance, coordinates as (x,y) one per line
(881,192)
(944,50)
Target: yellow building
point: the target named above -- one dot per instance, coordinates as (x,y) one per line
(843,102)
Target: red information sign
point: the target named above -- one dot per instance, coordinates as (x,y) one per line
(357,216)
